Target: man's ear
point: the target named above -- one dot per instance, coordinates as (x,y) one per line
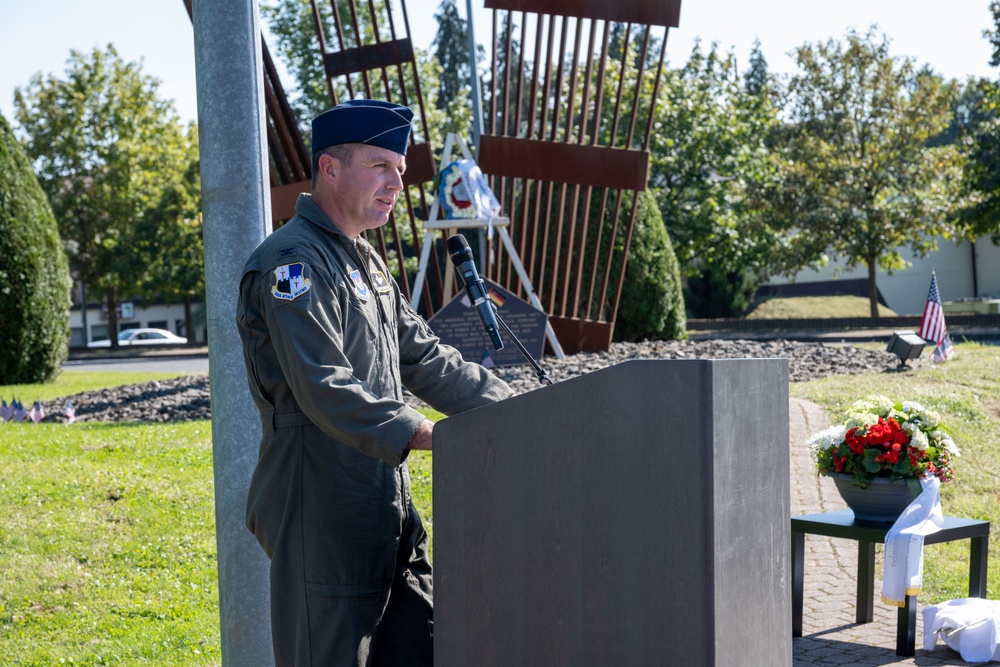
(329,167)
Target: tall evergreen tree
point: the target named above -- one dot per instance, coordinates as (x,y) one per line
(34,276)
(451,49)
(757,79)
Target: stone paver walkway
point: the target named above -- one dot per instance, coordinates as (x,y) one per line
(830,635)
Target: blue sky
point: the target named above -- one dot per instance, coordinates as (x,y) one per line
(39,34)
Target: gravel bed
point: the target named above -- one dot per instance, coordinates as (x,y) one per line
(187,398)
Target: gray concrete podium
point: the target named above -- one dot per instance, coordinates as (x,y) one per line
(637,515)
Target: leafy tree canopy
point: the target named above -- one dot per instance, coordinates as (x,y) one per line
(709,146)
(103,147)
(856,177)
(982,143)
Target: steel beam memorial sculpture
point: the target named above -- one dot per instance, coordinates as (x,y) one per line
(571,108)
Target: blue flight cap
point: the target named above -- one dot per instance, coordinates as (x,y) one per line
(371,122)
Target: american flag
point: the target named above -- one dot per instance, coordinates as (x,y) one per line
(932,326)
(487,361)
(37,412)
(69,412)
(943,351)
(6,411)
(19,412)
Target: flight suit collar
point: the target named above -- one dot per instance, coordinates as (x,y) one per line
(310,211)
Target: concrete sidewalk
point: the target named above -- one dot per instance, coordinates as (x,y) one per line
(830,635)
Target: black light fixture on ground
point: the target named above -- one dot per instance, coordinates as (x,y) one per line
(905,345)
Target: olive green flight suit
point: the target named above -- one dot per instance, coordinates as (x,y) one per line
(329,343)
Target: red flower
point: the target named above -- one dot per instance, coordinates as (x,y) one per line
(891,455)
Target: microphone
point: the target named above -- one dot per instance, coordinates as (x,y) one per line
(461,257)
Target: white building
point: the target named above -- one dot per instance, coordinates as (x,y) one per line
(157,316)
(964,271)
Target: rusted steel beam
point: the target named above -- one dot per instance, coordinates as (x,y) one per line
(598,166)
(284,121)
(654,12)
(582,335)
(283,199)
(368,57)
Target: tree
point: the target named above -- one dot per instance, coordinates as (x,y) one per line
(170,253)
(292,24)
(652,304)
(757,80)
(981,215)
(451,49)
(994,35)
(982,175)
(709,147)
(97,140)
(34,275)
(856,177)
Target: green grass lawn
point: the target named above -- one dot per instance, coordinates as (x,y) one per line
(966,391)
(800,307)
(108,545)
(107,532)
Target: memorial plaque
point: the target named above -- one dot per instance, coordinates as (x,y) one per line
(458,325)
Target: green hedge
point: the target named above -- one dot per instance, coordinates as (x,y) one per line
(652,303)
(34,274)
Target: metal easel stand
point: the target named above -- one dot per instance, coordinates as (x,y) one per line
(498,223)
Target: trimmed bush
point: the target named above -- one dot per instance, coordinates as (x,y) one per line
(34,274)
(652,303)
(719,292)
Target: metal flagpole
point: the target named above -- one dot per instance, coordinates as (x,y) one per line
(236,206)
(477,113)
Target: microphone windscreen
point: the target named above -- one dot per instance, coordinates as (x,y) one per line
(456,244)
(458,249)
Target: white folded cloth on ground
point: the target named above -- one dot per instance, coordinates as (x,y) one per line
(970,626)
(904,543)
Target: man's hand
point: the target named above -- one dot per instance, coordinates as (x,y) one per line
(422,437)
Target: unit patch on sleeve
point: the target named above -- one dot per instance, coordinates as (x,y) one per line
(290,281)
(381,284)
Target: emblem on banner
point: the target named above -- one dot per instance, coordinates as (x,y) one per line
(290,281)
(360,288)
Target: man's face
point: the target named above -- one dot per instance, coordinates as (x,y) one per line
(365,189)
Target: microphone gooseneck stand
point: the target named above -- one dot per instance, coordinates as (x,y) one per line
(543,377)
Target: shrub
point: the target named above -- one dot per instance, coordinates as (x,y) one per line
(721,292)
(652,303)
(34,274)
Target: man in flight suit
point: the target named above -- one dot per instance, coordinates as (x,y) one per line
(329,343)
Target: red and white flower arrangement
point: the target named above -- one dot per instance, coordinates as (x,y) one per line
(879,437)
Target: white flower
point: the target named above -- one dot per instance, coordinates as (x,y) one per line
(859,419)
(827,438)
(918,438)
(949,444)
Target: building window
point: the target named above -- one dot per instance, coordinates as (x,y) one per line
(160,324)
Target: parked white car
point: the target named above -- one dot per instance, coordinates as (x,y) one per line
(143,337)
